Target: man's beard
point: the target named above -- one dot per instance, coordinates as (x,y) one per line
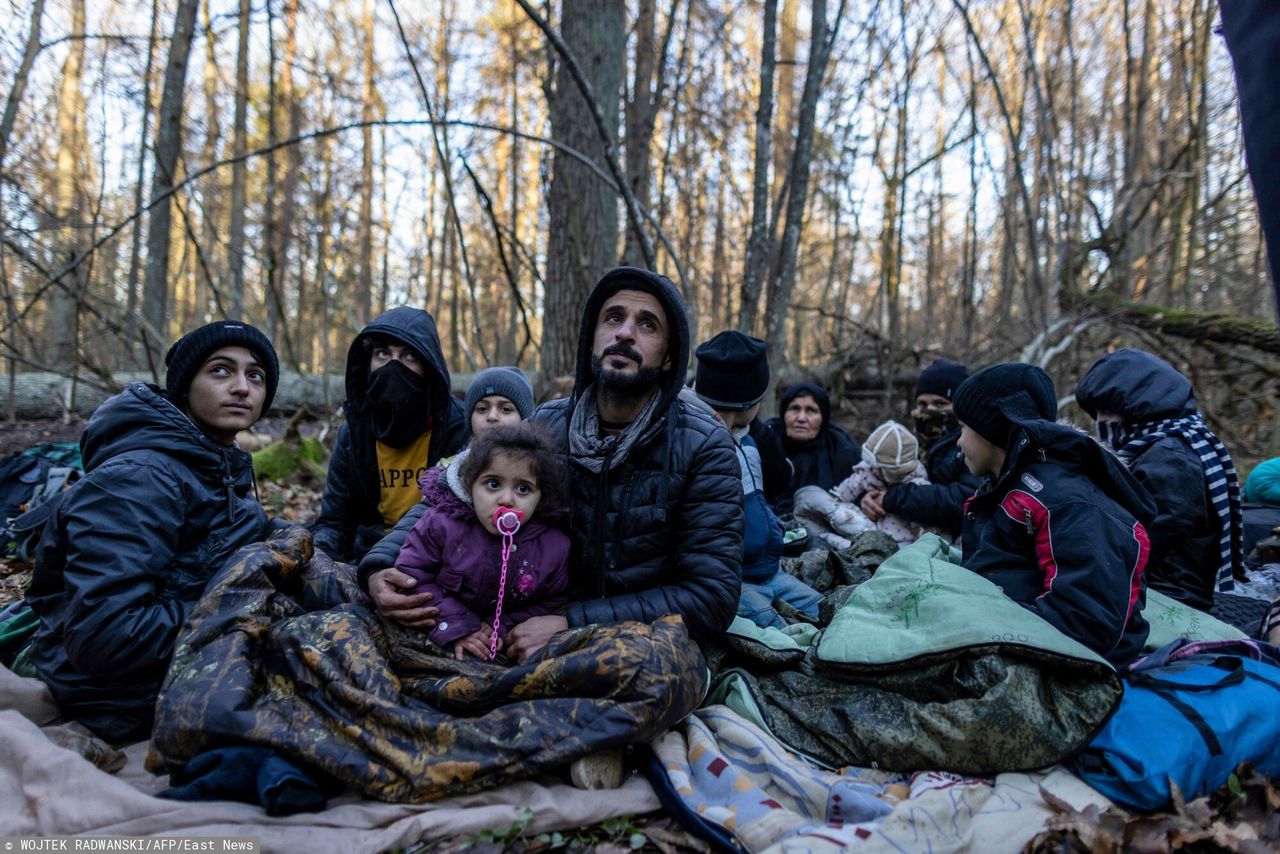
(620,383)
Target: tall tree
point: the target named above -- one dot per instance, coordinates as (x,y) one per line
(758,242)
(155,288)
(20,78)
(364,227)
(69,200)
(239,169)
(144,140)
(820,42)
(582,209)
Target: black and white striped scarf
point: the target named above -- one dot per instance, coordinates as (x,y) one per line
(1219,473)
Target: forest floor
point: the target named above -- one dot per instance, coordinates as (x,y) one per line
(299,503)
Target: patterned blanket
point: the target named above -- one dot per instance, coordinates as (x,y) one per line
(282,652)
(748,792)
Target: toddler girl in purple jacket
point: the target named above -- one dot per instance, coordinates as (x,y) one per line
(478,548)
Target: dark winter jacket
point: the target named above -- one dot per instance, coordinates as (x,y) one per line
(774,466)
(349,521)
(1141,388)
(127,553)
(824,460)
(454,558)
(940,502)
(658,528)
(1062,532)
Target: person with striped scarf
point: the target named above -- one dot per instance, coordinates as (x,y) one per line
(1146,412)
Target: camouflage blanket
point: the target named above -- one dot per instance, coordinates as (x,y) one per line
(282,652)
(925,666)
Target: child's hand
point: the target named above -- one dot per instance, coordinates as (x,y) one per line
(476,643)
(872,505)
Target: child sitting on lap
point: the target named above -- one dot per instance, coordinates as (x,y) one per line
(890,455)
(477,548)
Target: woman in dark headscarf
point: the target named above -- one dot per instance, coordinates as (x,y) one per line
(820,453)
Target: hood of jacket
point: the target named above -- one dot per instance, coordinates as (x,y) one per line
(443,491)
(668,296)
(141,418)
(1137,386)
(1074,451)
(414,328)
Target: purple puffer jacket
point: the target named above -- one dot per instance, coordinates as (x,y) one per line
(460,563)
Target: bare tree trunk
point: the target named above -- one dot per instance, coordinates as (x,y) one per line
(135,249)
(155,287)
(506,351)
(292,161)
(271,293)
(642,110)
(213,186)
(821,41)
(758,241)
(364,234)
(70,206)
(239,170)
(583,211)
(787,59)
(14,100)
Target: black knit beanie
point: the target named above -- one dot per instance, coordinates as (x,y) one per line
(509,382)
(992,399)
(733,371)
(942,378)
(189,352)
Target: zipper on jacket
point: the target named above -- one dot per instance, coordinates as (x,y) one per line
(602,488)
(623,513)
(1031,528)
(228,483)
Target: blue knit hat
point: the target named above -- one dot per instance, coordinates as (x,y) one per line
(509,382)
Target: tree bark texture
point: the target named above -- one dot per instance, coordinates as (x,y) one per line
(155,289)
(583,210)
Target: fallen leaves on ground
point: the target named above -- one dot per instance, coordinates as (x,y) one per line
(1243,816)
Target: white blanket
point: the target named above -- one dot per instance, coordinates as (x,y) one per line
(49,788)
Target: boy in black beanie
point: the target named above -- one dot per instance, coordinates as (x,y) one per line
(1059,525)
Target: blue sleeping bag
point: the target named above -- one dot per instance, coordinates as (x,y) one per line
(1191,720)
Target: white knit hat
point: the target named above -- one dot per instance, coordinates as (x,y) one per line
(893,449)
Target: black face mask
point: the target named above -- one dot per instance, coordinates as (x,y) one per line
(932,424)
(399,404)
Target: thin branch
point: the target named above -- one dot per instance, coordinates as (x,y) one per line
(487,203)
(445,170)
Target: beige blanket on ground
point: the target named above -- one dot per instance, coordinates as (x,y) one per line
(49,788)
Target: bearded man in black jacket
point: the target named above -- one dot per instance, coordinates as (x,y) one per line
(657,492)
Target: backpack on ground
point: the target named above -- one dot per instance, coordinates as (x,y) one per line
(1191,712)
(29,480)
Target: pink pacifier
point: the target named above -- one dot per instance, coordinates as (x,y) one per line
(507,520)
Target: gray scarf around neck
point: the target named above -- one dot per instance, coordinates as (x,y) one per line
(597,454)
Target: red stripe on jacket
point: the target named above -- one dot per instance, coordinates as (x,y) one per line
(1139,566)
(1025,509)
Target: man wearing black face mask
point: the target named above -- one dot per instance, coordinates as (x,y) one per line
(939,503)
(400,419)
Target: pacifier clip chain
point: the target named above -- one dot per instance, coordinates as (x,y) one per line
(507,521)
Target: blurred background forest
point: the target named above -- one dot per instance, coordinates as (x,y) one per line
(865,183)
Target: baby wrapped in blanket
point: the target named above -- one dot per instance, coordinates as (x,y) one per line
(890,455)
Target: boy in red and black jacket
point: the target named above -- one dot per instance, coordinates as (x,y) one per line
(1059,525)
